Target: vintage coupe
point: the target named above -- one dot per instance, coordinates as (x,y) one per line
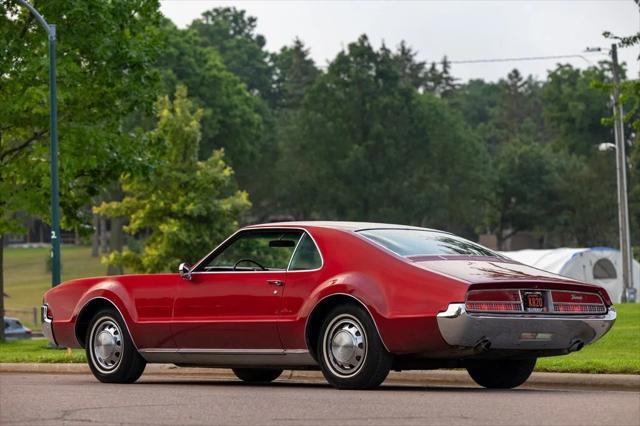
(353,299)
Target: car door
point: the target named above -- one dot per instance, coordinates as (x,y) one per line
(233,298)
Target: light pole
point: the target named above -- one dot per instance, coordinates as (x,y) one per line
(621,169)
(53,125)
(621,166)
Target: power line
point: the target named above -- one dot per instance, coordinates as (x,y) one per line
(521,59)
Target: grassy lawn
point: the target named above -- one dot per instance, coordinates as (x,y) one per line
(617,352)
(26,277)
(36,350)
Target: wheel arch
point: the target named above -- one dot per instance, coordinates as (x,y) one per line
(320,311)
(89,310)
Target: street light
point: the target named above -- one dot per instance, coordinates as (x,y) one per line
(53,124)
(621,168)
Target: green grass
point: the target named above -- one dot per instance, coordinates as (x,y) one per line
(36,350)
(26,277)
(617,352)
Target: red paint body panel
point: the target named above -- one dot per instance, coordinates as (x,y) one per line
(238,310)
(225,310)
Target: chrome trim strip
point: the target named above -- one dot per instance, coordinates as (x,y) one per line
(230,358)
(454,310)
(261,272)
(295,249)
(47,325)
(225,351)
(306,323)
(117,309)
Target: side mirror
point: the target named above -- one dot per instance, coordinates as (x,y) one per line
(185,271)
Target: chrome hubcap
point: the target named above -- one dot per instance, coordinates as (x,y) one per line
(345,345)
(106,345)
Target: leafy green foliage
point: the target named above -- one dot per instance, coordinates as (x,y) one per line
(181,207)
(104,55)
(230,119)
(383,149)
(232,33)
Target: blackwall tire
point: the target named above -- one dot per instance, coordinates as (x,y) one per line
(111,355)
(502,374)
(350,351)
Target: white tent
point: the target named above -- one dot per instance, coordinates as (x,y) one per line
(599,265)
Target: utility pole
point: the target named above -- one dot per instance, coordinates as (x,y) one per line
(621,167)
(53,132)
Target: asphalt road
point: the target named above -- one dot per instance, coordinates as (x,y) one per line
(71,399)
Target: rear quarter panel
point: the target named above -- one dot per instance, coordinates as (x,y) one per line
(402,298)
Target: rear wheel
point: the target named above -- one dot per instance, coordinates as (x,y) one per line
(502,374)
(350,351)
(257,375)
(111,354)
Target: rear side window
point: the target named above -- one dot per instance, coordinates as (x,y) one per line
(307,255)
(416,242)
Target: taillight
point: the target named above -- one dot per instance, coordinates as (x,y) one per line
(493,301)
(534,301)
(577,302)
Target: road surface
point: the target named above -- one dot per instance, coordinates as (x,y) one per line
(48,399)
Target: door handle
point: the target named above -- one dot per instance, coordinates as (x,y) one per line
(279,283)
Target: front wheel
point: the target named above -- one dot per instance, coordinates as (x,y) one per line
(257,375)
(111,354)
(350,351)
(502,374)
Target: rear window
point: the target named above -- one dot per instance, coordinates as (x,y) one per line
(416,242)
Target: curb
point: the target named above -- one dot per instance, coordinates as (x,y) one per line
(625,382)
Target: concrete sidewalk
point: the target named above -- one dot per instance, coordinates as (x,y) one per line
(625,382)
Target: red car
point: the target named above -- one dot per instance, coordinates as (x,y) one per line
(353,299)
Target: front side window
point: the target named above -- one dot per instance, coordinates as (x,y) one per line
(417,242)
(307,256)
(256,250)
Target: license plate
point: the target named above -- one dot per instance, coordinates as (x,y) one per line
(533,301)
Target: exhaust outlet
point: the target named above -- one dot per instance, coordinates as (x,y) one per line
(483,345)
(576,346)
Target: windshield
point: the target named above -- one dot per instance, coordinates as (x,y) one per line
(416,242)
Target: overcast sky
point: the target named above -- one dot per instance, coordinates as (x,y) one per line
(462,30)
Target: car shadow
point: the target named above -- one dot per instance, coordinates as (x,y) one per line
(289,384)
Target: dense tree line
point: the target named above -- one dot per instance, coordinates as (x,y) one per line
(375,135)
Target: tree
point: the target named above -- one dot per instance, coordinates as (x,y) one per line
(181,207)
(523,178)
(230,113)
(295,74)
(574,107)
(371,147)
(232,33)
(104,74)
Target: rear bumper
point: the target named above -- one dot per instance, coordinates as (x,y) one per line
(47,325)
(521,331)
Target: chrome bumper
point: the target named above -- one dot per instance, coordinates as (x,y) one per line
(47,325)
(521,331)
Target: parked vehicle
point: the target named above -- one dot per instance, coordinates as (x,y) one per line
(352,299)
(14,330)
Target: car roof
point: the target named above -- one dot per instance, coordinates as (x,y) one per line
(342,225)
